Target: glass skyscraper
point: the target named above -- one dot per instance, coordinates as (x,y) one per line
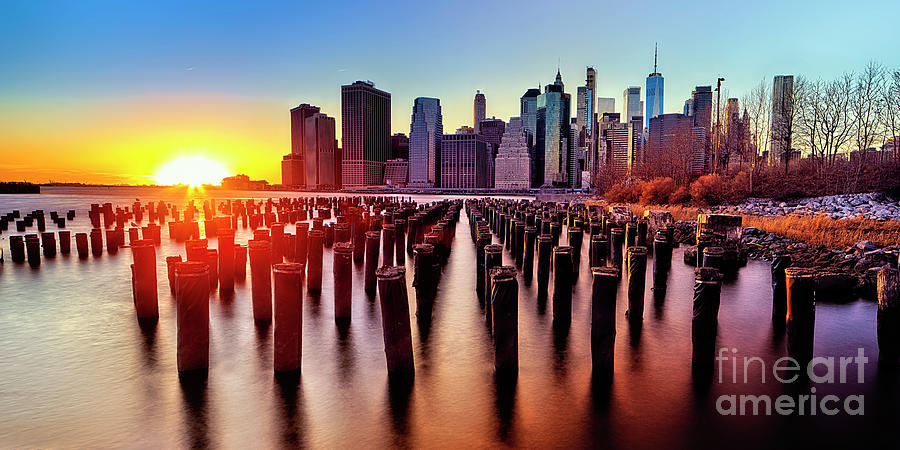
(553,144)
(655,91)
(425,131)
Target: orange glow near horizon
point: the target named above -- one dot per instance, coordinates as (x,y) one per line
(191,170)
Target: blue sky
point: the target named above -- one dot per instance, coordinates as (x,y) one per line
(264,57)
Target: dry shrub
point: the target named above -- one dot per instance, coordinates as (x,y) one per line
(657,191)
(707,190)
(623,193)
(680,196)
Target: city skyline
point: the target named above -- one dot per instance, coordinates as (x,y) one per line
(82,86)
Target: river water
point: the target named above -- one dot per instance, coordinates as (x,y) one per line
(76,369)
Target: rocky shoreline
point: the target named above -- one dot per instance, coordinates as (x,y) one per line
(841,274)
(873,206)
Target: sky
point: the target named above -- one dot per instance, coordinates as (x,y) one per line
(109,91)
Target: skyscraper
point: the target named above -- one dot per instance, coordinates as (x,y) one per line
(464,161)
(528,110)
(293,165)
(605,105)
(366,131)
(480,110)
(554,148)
(631,103)
(782,114)
(321,151)
(701,107)
(668,133)
(655,84)
(425,131)
(512,166)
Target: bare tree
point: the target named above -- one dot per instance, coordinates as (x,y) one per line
(865,108)
(786,108)
(890,94)
(825,120)
(758,105)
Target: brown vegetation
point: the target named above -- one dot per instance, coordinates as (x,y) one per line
(828,232)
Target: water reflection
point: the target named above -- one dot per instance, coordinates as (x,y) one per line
(195,415)
(505,385)
(291,408)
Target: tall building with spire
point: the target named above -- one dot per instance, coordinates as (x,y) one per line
(480,110)
(554,146)
(655,91)
(425,131)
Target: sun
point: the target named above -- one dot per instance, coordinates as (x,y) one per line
(191,170)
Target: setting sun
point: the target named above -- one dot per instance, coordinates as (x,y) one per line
(191,170)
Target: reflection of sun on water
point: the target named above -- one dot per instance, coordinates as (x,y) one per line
(191,170)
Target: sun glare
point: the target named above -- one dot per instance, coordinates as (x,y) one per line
(191,170)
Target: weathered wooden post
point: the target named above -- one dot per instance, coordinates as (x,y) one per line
(779,288)
(400,240)
(171,264)
(277,239)
(888,316)
(48,242)
(395,320)
(387,242)
(705,317)
(545,252)
(288,329)
(33,246)
(801,313)
(301,242)
(484,239)
(713,257)
(493,257)
(599,251)
(343,281)
(562,284)
(240,261)
(314,262)
(424,280)
(528,264)
(575,238)
(373,239)
(192,314)
(505,313)
(603,318)
(96,242)
(81,245)
(617,242)
(213,262)
(261,279)
(17,248)
(226,258)
(637,270)
(143,280)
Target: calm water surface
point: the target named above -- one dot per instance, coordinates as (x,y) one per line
(76,369)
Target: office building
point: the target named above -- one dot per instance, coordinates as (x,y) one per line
(366,133)
(464,161)
(425,131)
(396,172)
(512,165)
(605,105)
(321,152)
(701,107)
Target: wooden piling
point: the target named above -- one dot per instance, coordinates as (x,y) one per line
(314,262)
(779,288)
(603,318)
(261,279)
(800,285)
(288,321)
(192,316)
(143,280)
(171,264)
(705,317)
(388,245)
(81,245)
(226,258)
(888,316)
(395,320)
(505,315)
(373,241)
(637,270)
(424,280)
(562,284)
(343,281)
